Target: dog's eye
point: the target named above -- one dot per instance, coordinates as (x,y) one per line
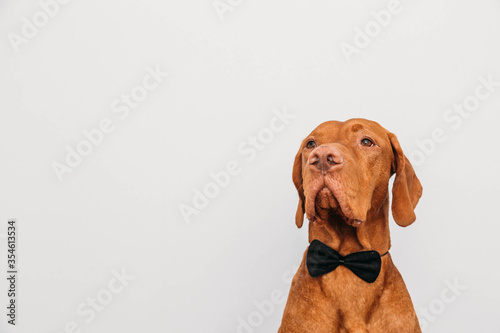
(311,144)
(367,142)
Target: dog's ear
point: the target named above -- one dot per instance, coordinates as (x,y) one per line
(297,181)
(407,189)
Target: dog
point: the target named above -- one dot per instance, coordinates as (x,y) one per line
(348,282)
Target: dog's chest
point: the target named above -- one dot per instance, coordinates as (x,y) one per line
(345,292)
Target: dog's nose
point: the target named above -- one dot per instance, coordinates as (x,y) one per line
(324,158)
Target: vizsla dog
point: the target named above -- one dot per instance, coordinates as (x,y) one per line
(347,281)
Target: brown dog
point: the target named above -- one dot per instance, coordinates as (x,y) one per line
(342,173)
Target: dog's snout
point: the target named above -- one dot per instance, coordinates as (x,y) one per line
(325,158)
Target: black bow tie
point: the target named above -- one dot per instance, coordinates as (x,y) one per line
(322,259)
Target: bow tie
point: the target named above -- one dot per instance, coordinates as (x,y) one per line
(322,259)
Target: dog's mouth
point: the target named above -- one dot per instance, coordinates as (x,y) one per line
(327,197)
(326,200)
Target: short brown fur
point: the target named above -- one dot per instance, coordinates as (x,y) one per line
(348,209)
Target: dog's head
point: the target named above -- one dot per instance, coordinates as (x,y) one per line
(343,168)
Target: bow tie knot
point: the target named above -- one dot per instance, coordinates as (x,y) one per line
(322,259)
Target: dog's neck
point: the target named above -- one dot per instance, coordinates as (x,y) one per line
(372,234)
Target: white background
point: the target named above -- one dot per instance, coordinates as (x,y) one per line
(119,208)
